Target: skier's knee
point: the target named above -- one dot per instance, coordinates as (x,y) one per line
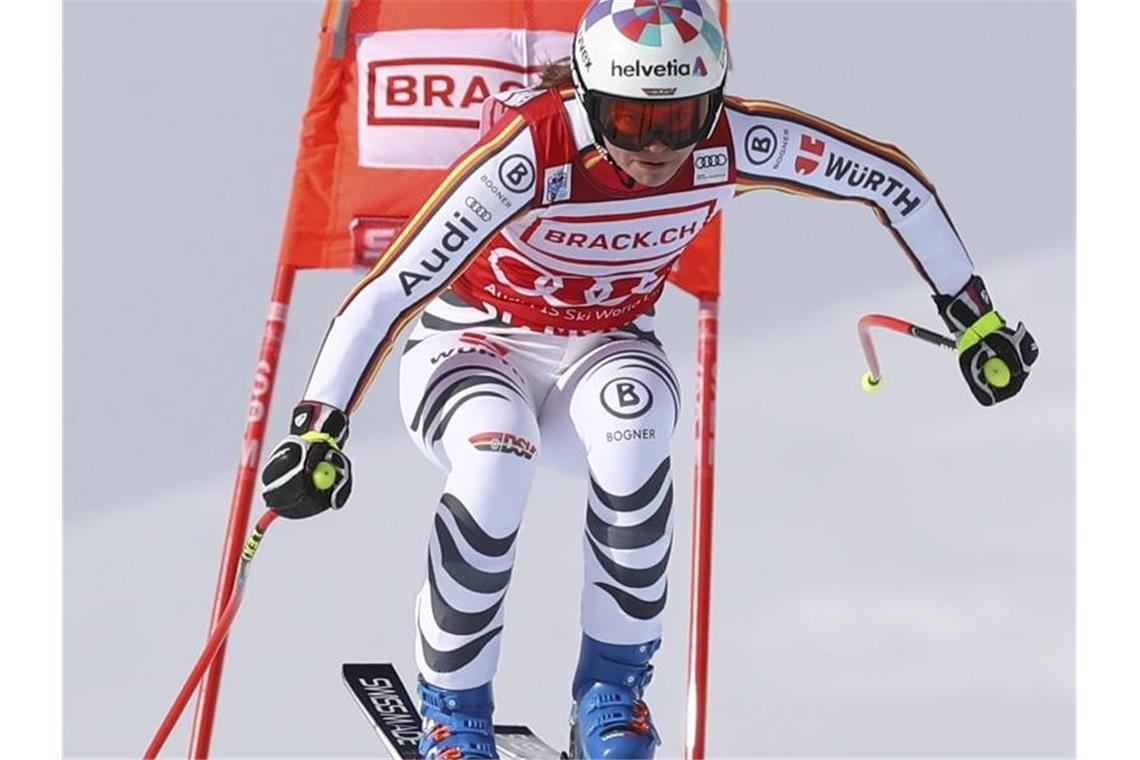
(492,431)
(629,404)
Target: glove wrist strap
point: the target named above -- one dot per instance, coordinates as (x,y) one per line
(328,422)
(989,322)
(315,436)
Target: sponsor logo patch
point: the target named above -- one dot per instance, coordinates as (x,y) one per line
(516,172)
(477,208)
(387,704)
(421,92)
(643,235)
(556,182)
(626,398)
(527,277)
(673,68)
(504,443)
(710,166)
(456,235)
(759,145)
(849,172)
(371,236)
(855,175)
(634,434)
(611,264)
(811,151)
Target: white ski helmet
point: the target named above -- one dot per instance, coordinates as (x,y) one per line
(650,69)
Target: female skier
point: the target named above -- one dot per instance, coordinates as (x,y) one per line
(536,264)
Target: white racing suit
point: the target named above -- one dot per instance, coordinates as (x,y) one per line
(538,262)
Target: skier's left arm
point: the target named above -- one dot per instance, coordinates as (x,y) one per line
(781,148)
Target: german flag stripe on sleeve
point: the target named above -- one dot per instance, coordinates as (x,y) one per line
(883,150)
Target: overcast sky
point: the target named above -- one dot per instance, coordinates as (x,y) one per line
(894,574)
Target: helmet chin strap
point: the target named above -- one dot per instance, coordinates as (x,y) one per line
(623,175)
(580,94)
(599,143)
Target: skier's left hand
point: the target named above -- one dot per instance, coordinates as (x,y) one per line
(994,359)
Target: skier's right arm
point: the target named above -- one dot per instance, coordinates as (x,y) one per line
(487,187)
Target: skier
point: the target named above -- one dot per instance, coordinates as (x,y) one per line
(536,265)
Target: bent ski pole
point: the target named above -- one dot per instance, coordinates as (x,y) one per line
(994,367)
(874,376)
(221,631)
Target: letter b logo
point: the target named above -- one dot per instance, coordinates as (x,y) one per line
(517,173)
(627,395)
(626,398)
(517,176)
(759,145)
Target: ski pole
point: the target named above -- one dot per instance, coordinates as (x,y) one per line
(874,376)
(995,370)
(221,631)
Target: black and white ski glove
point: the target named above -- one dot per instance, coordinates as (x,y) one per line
(994,359)
(308,473)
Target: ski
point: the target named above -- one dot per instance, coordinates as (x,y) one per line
(520,743)
(381,694)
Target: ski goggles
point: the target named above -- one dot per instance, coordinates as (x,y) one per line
(634,125)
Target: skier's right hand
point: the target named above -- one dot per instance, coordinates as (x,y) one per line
(308,473)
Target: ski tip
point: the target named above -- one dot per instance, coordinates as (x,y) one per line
(389,707)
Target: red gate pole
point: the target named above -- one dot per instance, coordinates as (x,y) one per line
(251,442)
(701,574)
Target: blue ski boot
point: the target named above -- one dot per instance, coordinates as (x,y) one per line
(457,723)
(609,718)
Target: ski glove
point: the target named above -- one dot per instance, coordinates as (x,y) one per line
(994,359)
(308,473)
